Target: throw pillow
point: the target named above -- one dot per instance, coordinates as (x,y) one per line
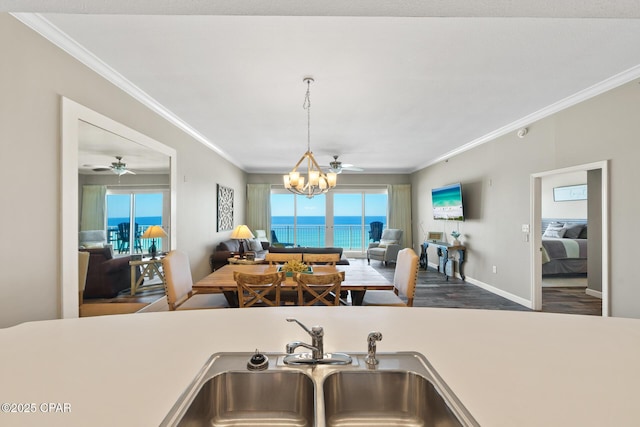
(554,231)
(384,243)
(583,233)
(255,245)
(573,231)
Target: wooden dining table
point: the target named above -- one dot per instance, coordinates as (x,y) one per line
(358,279)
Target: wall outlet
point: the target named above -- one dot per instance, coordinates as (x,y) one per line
(495,269)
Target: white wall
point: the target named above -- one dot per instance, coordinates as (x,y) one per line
(33,76)
(575,209)
(495,178)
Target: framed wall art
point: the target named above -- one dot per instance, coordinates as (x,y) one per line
(570,193)
(225,208)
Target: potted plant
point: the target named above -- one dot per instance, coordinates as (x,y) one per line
(455,234)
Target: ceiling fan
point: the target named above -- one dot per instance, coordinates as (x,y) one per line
(337,166)
(119,168)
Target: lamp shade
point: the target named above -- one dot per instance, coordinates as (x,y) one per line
(154,232)
(242,232)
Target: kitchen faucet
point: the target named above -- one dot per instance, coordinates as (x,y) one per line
(317,355)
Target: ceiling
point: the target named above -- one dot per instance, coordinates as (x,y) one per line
(396,87)
(98,148)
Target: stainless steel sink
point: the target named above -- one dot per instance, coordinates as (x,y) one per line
(384,398)
(402,390)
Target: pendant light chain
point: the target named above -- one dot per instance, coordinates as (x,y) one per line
(307,106)
(316,182)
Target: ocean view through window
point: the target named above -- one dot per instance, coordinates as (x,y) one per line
(129,214)
(339,219)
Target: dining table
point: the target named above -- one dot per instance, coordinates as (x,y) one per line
(358,279)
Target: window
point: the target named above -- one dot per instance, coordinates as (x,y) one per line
(130,213)
(338,218)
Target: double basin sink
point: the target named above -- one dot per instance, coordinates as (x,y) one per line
(402,390)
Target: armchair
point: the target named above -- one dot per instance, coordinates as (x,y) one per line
(106,276)
(386,250)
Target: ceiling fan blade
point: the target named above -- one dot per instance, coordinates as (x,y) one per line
(352,168)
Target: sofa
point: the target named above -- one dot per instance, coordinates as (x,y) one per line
(106,275)
(229,248)
(305,250)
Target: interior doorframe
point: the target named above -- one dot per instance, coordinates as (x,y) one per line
(72,113)
(536,232)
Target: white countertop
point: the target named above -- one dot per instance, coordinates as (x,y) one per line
(508,368)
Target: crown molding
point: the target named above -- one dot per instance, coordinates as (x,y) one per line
(46,29)
(590,92)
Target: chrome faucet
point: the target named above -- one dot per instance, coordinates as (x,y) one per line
(371,348)
(317,344)
(317,349)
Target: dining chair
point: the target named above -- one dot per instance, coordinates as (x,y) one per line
(179,285)
(404,283)
(321,289)
(325,259)
(281,258)
(83,268)
(259,290)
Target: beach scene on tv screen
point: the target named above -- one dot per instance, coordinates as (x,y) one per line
(447,203)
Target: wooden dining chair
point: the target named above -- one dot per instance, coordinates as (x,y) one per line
(281,258)
(325,259)
(179,285)
(404,283)
(83,268)
(319,288)
(259,290)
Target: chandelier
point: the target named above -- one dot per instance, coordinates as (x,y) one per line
(316,181)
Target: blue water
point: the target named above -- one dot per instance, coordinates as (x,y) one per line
(319,220)
(310,230)
(141,220)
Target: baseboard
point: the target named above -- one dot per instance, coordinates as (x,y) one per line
(593,293)
(504,294)
(492,289)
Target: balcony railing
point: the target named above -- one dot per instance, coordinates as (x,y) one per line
(348,237)
(140,245)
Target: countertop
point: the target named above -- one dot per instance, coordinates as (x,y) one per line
(508,368)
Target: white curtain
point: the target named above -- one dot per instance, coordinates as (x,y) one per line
(259,207)
(94,208)
(400,211)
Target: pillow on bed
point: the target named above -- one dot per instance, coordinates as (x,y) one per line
(583,233)
(555,231)
(573,231)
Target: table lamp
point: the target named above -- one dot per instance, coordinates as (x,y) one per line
(241,233)
(154,232)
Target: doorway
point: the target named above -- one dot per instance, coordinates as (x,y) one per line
(598,238)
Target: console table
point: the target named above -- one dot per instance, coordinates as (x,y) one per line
(443,254)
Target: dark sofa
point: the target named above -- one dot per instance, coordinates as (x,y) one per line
(231,247)
(106,276)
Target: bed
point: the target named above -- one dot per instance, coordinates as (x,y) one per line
(564,246)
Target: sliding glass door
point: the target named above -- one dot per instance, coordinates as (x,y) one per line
(130,213)
(338,218)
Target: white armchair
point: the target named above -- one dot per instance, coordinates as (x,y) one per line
(386,250)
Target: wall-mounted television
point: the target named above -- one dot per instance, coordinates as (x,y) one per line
(447,203)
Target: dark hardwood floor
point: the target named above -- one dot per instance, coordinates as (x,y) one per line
(433,290)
